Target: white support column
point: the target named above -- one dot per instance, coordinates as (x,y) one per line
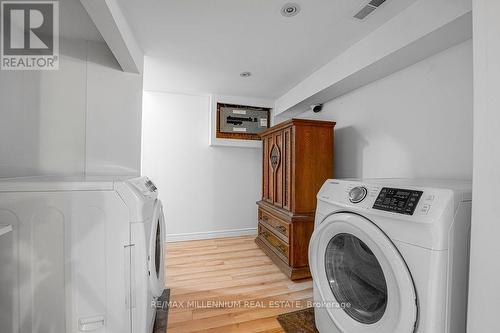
(484,291)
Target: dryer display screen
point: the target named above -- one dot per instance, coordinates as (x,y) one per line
(397,200)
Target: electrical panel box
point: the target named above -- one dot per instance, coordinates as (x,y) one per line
(241,122)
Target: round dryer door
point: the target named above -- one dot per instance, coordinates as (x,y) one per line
(363,281)
(156,251)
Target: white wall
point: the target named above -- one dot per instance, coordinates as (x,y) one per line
(207,191)
(114,113)
(484,293)
(415,123)
(83,118)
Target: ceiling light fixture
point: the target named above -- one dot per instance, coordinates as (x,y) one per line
(245,74)
(290,9)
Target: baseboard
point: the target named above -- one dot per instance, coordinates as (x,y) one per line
(211,234)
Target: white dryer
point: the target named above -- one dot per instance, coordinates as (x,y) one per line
(391,256)
(145,273)
(88,254)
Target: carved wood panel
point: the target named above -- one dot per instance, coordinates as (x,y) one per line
(268,171)
(277,159)
(287,167)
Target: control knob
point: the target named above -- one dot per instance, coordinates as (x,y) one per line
(357,194)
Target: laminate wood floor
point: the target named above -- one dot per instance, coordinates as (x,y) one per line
(228,285)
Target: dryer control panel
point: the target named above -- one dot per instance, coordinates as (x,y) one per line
(140,195)
(417,202)
(144,186)
(398,200)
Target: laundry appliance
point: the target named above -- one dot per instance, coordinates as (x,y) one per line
(88,254)
(391,256)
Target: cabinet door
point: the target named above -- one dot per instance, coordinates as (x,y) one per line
(267,172)
(277,166)
(287,167)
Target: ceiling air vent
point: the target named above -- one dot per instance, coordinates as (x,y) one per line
(368,9)
(376,3)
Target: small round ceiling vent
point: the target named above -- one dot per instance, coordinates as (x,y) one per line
(245,74)
(290,9)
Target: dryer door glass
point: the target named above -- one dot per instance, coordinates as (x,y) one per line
(356,278)
(158,242)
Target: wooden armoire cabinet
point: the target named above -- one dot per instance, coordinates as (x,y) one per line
(297,159)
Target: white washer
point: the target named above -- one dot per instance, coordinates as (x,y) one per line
(89,254)
(391,256)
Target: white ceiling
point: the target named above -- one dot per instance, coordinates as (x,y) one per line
(202,46)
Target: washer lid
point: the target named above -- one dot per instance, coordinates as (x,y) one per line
(363,281)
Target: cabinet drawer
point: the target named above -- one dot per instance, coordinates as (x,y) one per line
(279,227)
(276,244)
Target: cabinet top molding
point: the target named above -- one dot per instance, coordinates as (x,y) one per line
(295,121)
